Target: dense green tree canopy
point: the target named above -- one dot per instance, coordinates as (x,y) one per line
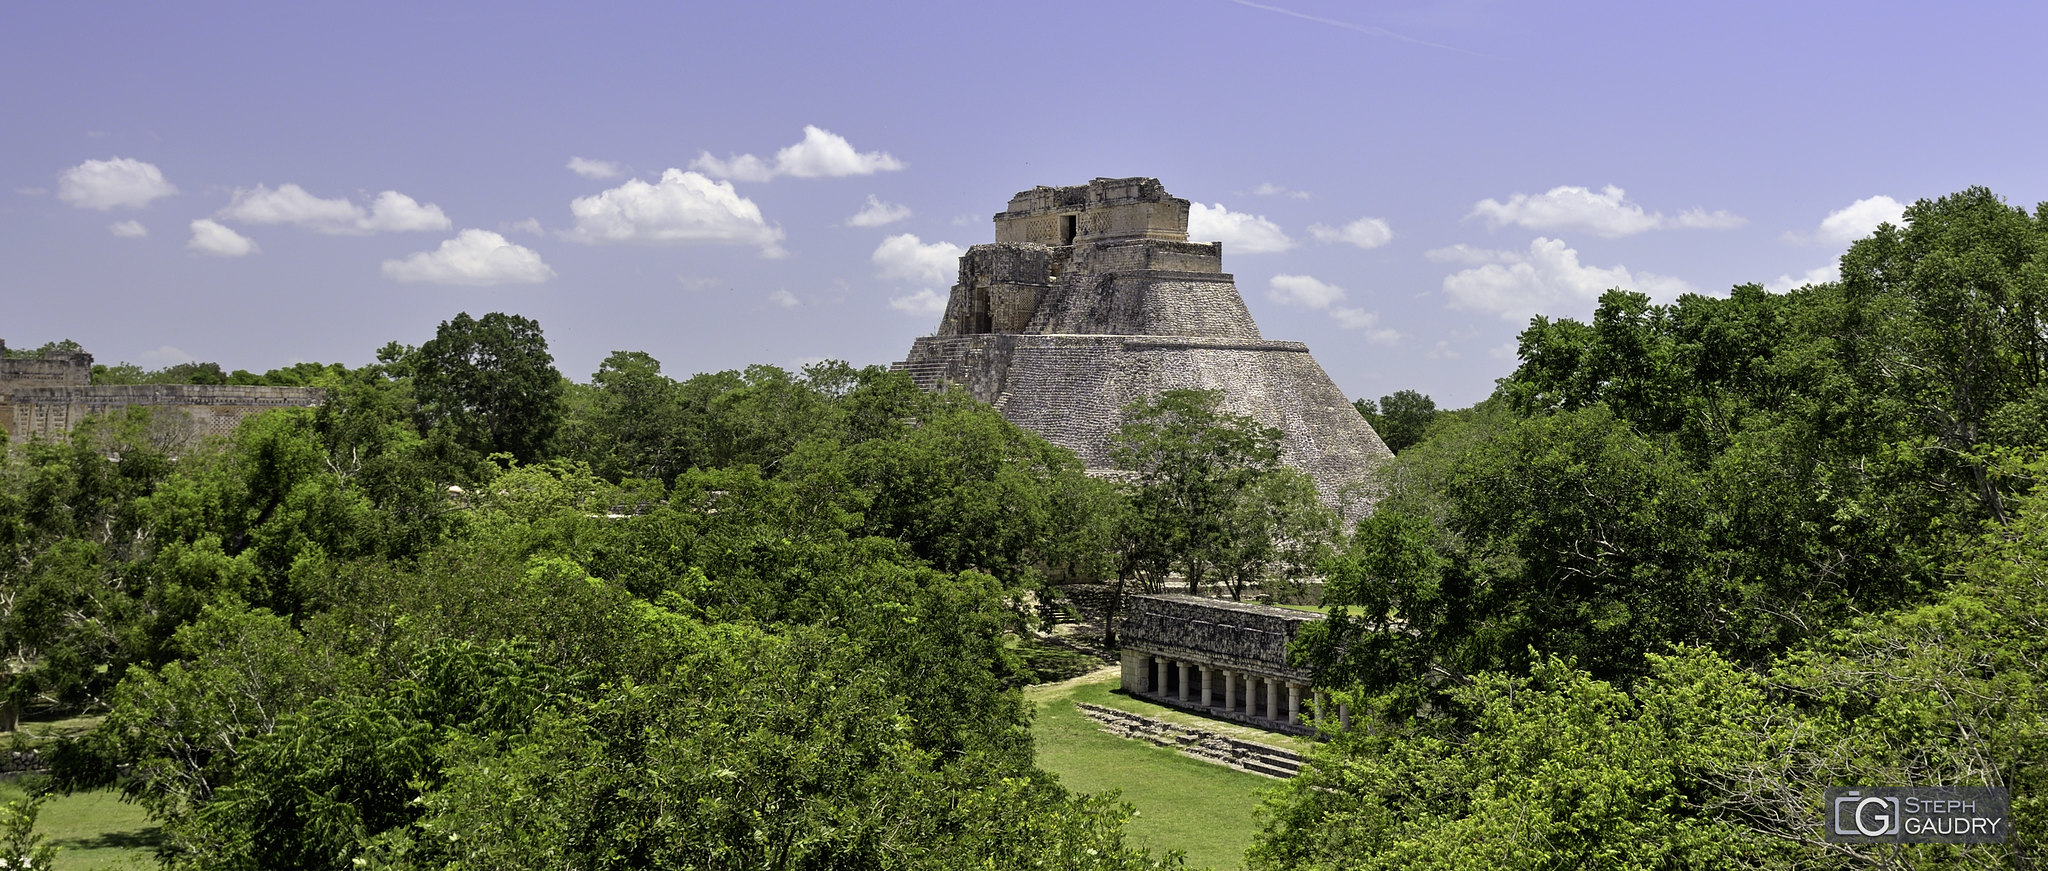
(490,383)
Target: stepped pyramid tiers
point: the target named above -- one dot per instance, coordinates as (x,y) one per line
(1092,297)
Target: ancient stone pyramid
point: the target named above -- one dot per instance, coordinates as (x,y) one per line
(1092,297)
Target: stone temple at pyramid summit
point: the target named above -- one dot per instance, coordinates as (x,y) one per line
(1092,297)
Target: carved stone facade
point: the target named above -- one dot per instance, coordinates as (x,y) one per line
(1226,659)
(1092,297)
(46,396)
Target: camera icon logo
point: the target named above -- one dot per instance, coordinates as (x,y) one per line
(1869,816)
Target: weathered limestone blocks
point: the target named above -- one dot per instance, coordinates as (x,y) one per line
(1092,298)
(47,396)
(1200,743)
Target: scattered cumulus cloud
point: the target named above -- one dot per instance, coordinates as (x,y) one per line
(1548,278)
(1816,275)
(683,207)
(390,212)
(477,258)
(878,213)
(908,258)
(128,229)
(1442,350)
(1269,189)
(1307,292)
(1606,212)
(530,226)
(1857,220)
(784,299)
(1303,291)
(698,282)
(215,238)
(924,303)
(1240,232)
(588,168)
(1463,253)
(821,154)
(122,182)
(1367,233)
(164,356)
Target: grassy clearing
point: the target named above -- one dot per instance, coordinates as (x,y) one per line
(1100,689)
(1183,803)
(93,831)
(41,733)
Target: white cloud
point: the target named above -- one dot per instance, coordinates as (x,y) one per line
(1304,291)
(1859,219)
(164,356)
(1547,279)
(821,154)
(530,226)
(1240,232)
(1310,293)
(1816,275)
(878,213)
(288,203)
(210,237)
(394,212)
(1606,212)
(108,184)
(128,229)
(907,258)
(594,168)
(1463,253)
(683,207)
(784,299)
(924,303)
(1269,189)
(474,257)
(1367,233)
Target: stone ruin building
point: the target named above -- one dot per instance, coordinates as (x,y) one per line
(44,397)
(1092,297)
(1224,659)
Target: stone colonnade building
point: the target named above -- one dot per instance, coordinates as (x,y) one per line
(1227,659)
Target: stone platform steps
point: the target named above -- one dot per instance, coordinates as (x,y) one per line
(1200,743)
(925,373)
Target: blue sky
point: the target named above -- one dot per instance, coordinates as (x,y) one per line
(1400,185)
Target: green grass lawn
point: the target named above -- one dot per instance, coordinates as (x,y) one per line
(93,831)
(1198,807)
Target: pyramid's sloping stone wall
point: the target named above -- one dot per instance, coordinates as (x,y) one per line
(1121,308)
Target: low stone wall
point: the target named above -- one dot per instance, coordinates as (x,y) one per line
(23,762)
(1200,743)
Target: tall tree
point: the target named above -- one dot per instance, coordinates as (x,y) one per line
(491,383)
(1401,418)
(1190,464)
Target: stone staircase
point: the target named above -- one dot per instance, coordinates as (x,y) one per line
(1200,743)
(925,372)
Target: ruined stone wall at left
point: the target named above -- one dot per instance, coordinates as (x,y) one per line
(57,369)
(50,412)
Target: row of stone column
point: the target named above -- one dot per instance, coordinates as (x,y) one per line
(1242,692)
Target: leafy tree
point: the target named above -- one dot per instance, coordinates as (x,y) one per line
(490,383)
(1189,463)
(1402,418)
(1948,316)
